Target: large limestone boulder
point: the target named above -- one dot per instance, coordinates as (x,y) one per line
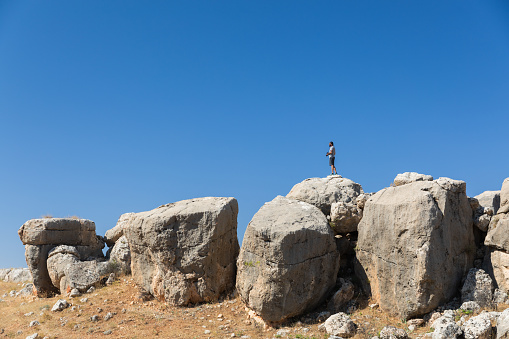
(67,271)
(120,256)
(489,199)
(288,261)
(185,252)
(41,235)
(323,192)
(496,263)
(63,231)
(498,232)
(415,245)
(408,177)
(504,197)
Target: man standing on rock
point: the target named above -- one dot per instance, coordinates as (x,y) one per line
(332,156)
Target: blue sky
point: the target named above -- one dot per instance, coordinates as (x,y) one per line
(109,107)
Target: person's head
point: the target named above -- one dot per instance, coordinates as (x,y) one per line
(331,143)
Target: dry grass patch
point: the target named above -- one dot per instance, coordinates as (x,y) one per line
(135,318)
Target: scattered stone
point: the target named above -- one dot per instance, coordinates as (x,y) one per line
(206,332)
(74,293)
(499,296)
(94,318)
(108,316)
(107,332)
(33,336)
(415,322)
(91,289)
(60,305)
(84,300)
(26,291)
(111,279)
(470,306)
(34,323)
(503,325)
(341,325)
(478,287)
(342,296)
(446,327)
(391,332)
(478,327)
(28,314)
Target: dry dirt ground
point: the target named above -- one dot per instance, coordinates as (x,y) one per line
(133,317)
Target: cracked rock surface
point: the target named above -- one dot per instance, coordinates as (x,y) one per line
(185,252)
(405,254)
(288,260)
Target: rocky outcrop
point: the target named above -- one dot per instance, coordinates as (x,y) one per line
(116,232)
(342,296)
(15,274)
(288,261)
(489,199)
(408,177)
(503,325)
(67,272)
(120,256)
(323,192)
(41,235)
(185,252)
(445,327)
(478,327)
(504,197)
(478,287)
(415,245)
(496,261)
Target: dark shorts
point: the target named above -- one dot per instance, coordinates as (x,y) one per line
(331,161)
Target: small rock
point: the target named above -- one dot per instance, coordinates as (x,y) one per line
(33,336)
(60,305)
(91,289)
(94,318)
(415,322)
(29,314)
(34,323)
(470,306)
(108,332)
(124,310)
(373,305)
(74,293)
(340,324)
(391,332)
(108,316)
(84,300)
(207,332)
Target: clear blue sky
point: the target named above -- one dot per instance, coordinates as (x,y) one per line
(109,107)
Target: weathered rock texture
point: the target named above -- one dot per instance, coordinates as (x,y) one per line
(415,244)
(68,272)
(116,232)
(496,261)
(408,177)
(323,192)
(478,287)
(288,260)
(185,252)
(489,199)
(15,274)
(41,235)
(120,256)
